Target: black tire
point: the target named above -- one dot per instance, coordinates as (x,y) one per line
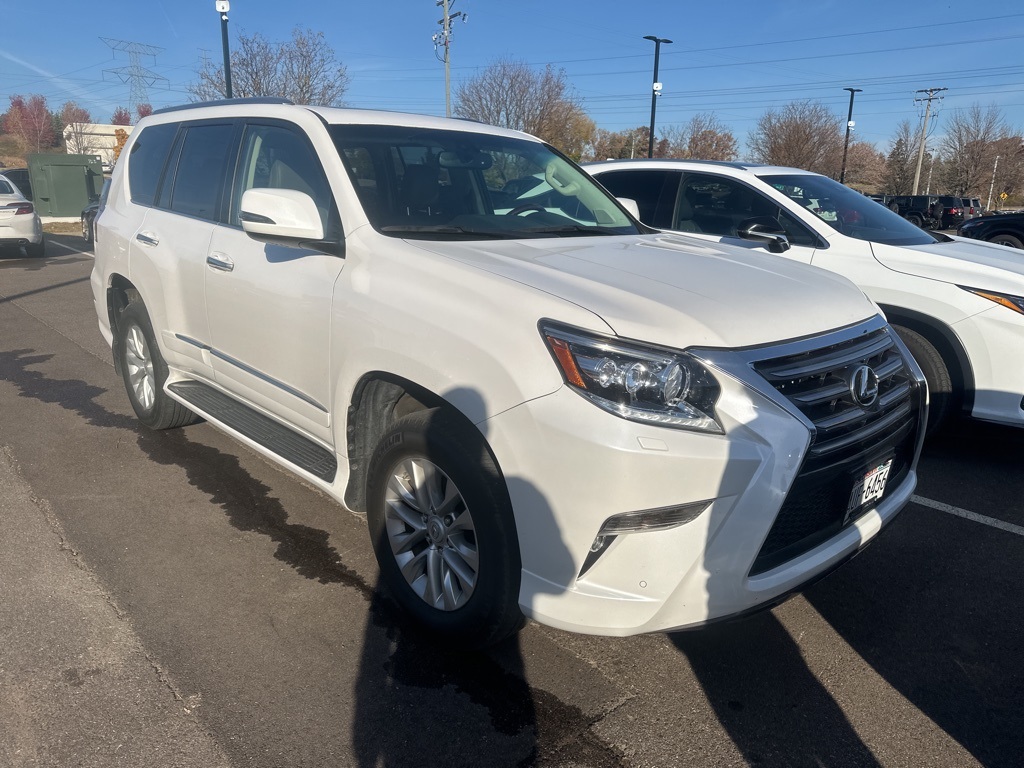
(941,395)
(144,372)
(476,521)
(1010,240)
(36,250)
(914,219)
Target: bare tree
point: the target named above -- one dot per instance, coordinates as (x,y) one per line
(75,127)
(303,69)
(510,94)
(30,121)
(803,134)
(970,147)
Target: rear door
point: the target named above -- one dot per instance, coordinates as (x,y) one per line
(168,252)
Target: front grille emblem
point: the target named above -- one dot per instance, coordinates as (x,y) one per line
(863,386)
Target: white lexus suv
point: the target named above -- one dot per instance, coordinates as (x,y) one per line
(958,304)
(542,407)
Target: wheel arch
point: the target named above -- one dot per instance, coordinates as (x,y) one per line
(947,344)
(378,400)
(120,291)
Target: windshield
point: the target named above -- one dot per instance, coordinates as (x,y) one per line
(848,211)
(460,185)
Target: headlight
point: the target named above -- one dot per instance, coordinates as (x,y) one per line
(1016,303)
(641,383)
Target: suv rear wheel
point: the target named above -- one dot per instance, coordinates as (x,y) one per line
(442,528)
(1013,242)
(144,371)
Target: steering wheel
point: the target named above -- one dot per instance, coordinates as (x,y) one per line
(569,190)
(526,207)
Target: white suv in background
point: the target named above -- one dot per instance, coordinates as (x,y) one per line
(958,304)
(542,407)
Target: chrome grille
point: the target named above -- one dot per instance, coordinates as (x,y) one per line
(818,383)
(848,437)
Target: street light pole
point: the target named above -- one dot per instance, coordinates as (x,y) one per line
(849,127)
(223,6)
(655,88)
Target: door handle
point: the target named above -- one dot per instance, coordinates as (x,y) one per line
(220,261)
(147,239)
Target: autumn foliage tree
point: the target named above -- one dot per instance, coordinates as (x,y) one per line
(121,116)
(30,122)
(120,139)
(74,120)
(144,110)
(511,94)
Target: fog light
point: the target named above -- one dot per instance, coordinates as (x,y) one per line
(652,519)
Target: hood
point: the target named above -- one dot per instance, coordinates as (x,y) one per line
(673,290)
(970,263)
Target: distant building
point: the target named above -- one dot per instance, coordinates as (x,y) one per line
(93,139)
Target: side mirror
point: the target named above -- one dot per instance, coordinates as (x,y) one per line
(766,230)
(281,216)
(630,205)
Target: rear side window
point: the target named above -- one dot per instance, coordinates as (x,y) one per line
(199,179)
(654,192)
(147,159)
(5,188)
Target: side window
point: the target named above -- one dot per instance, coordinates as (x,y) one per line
(654,192)
(147,159)
(274,157)
(199,179)
(718,205)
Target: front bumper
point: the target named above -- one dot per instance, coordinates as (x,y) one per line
(570,466)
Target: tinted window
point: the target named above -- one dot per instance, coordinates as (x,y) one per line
(147,159)
(653,190)
(199,179)
(848,211)
(5,188)
(457,185)
(274,157)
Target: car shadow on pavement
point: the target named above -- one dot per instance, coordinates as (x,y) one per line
(419,702)
(947,636)
(767,699)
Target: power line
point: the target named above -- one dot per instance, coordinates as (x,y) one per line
(135,73)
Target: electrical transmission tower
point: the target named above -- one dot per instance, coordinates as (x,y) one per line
(443,39)
(933,94)
(136,74)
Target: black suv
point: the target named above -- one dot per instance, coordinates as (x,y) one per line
(923,210)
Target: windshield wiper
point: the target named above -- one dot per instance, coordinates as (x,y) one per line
(570,229)
(446,229)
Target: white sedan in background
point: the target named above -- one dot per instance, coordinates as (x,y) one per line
(19,223)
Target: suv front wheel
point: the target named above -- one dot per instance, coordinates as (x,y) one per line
(442,528)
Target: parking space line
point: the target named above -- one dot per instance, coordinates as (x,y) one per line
(67,248)
(983,519)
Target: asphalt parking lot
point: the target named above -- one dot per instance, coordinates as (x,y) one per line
(174,599)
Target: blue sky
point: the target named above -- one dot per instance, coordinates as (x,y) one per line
(735,59)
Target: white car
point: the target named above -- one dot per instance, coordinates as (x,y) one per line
(19,223)
(541,409)
(957,303)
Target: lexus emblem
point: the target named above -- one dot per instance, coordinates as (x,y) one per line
(864,386)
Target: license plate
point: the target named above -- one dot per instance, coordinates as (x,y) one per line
(868,488)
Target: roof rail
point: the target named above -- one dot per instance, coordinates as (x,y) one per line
(224,102)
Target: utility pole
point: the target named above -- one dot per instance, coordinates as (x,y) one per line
(655,88)
(992,186)
(932,95)
(135,73)
(444,39)
(849,127)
